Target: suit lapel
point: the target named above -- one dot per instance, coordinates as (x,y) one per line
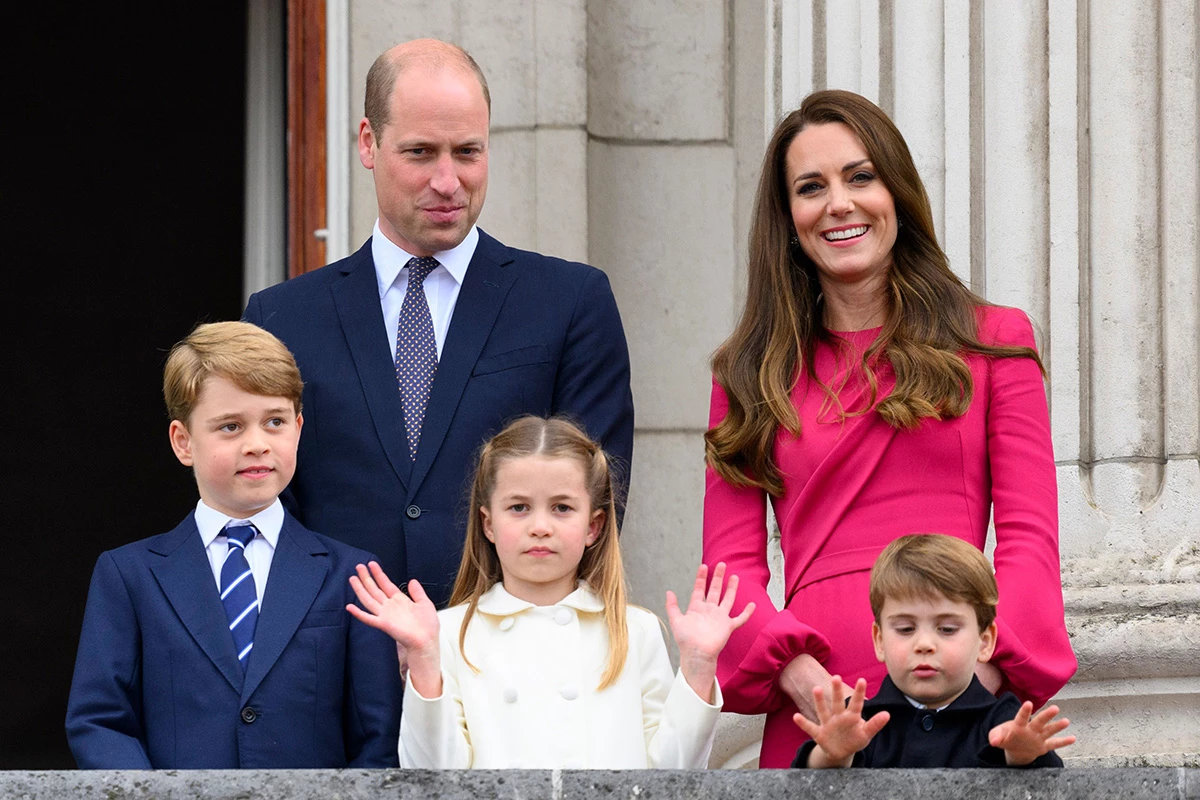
(486,284)
(295,578)
(186,578)
(357,300)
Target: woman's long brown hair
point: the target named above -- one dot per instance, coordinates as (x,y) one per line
(930,315)
(601,565)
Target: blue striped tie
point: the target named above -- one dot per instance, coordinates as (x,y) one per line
(238,594)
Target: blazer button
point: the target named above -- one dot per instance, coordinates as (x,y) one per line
(563,616)
(510,695)
(412,512)
(927,722)
(249,715)
(569,692)
(506,624)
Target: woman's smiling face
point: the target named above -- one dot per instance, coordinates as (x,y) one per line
(843,213)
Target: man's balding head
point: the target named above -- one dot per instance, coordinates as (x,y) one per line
(431,54)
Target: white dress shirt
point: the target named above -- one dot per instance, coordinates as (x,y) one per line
(534,704)
(441,285)
(259,551)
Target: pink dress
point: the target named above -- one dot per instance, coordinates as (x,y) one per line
(853,485)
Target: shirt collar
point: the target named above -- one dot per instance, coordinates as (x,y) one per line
(211,522)
(974,697)
(497,602)
(390,258)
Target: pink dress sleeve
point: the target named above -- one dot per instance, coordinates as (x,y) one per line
(1033,650)
(735,531)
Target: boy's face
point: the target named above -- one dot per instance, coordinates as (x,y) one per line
(931,646)
(242,446)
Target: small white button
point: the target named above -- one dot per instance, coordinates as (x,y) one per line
(506,624)
(563,616)
(573,763)
(510,695)
(569,692)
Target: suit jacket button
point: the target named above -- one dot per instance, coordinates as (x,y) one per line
(249,715)
(412,512)
(927,722)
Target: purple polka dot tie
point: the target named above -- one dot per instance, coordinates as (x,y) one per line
(416,350)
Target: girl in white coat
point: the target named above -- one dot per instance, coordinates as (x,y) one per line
(539,662)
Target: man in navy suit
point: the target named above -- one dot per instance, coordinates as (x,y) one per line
(226,643)
(515,332)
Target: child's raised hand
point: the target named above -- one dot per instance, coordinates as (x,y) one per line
(840,730)
(413,623)
(1030,735)
(702,632)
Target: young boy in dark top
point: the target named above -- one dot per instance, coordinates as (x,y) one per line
(934,599)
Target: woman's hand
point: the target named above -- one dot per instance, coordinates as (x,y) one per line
(702,632)
(990,676)
(413,623)
(798,679)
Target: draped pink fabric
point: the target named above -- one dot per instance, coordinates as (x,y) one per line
(853,484)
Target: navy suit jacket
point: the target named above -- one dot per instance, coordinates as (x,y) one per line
(529,335)
(157,681)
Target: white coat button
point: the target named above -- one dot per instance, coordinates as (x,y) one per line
(506,624)
(510,695)
(569,692)
(573,763)
(563,616)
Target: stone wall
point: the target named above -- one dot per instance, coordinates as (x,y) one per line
(1059,143)
(1082,784)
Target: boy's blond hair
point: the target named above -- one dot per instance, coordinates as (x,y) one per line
(244,354)
(926,565)
(601,565)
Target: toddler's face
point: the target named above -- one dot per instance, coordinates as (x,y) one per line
(242,446)
(540,518)
(931,647)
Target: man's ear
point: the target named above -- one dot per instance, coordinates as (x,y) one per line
(181,443)
(366,144)
(486,519)
(987,642)
(877,640)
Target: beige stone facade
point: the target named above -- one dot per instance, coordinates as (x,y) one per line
(1059,142)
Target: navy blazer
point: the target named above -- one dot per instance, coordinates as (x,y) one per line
(530,334)
(956,736)
(157,681)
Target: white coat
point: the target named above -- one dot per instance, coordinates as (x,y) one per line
(534,704)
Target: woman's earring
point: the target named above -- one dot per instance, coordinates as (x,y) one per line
(794,241)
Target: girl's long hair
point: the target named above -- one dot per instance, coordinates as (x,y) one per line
(601,565)
(931,317)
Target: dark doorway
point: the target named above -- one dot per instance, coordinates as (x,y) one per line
(124,216)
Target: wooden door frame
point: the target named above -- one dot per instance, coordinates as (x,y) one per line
(307,148)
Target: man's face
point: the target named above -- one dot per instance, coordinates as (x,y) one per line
(430,160)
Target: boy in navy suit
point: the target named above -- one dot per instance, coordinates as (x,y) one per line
(934,599)
(225,643)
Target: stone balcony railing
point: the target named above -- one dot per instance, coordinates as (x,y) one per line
(1176,783)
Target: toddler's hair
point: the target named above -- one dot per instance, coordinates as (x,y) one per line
(601,564)
(244,354)
(926,565)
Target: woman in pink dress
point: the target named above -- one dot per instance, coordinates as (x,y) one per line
(867,394)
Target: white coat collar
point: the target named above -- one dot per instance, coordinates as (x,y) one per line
(497,602)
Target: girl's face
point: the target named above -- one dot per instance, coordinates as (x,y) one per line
(540,518)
